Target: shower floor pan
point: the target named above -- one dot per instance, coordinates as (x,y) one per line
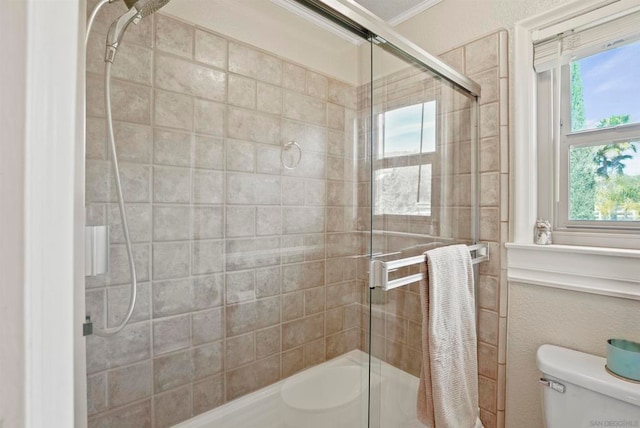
(332,394)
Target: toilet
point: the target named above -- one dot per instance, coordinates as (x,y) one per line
(578,392)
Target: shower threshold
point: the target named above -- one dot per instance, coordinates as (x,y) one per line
(332,394)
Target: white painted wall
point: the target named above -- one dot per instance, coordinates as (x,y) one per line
(50,205)
(13,18)
(452,23)
(38,90)
(539,315)
(268,26)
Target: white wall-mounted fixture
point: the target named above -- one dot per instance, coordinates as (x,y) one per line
(96,250)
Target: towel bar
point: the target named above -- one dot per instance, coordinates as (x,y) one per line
(379,270)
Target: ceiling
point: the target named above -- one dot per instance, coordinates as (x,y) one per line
(397,11)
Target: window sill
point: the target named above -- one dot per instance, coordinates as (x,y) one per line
(606,271)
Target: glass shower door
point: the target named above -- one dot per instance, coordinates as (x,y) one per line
(420,134)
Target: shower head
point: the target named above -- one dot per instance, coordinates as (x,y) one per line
(146,7)
(138,9)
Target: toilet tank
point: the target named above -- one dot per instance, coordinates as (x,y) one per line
(581,394)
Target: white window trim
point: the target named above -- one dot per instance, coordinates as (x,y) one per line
(618,271)
(419,159)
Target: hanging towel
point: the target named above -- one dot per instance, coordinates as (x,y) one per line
(448,392)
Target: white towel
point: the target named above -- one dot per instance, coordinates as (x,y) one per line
(448,392)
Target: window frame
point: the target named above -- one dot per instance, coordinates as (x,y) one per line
(419,159)
(596,263)
(554,142)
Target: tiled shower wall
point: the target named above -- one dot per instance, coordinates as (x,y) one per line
(396,314)
(486,61)
(246,270)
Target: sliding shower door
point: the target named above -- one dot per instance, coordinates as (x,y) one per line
(269,150)
(418,184)
(236,127)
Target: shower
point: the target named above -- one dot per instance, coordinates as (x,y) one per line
(137,10)
(264,163)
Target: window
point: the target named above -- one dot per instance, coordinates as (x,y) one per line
(589,127)
(407,143)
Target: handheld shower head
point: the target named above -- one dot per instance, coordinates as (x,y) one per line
(138,9)
(146,7)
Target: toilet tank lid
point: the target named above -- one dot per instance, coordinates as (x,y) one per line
(587,371)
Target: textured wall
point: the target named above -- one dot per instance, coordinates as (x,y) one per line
(243,267)
(13,91)
(539,315)
(453,23)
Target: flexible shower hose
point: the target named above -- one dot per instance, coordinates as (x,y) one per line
(116,170)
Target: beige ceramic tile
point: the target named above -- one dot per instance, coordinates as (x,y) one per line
(118,298)
(487,394)
(172,407)
(172,297)
(210,49)
(490,155)
(488,419)
(489,120)
(173,110)
(207,257)
(488,292)
(242,91)
(254,376)
(96,393)
(488,327)
(292,362)
(254,63)
(137,415)
(240,286)
(130,346)
(173,370)
(249,316)
(172,147)
(313,353)
(138,219)
(170,260)
(293,77)
(208,326)
(502,345)
(482,54)
(268,220)
(252,253)
(502,377)
(240,155)
(209,118)
(169,223)
(174,36)
(171,334)
(240,350)
(292,306)
(489,82)
(267,342)
(455,58)
(299,332)
(488,360)
(208,394)
(317,85)
(269,98)
(253,126)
